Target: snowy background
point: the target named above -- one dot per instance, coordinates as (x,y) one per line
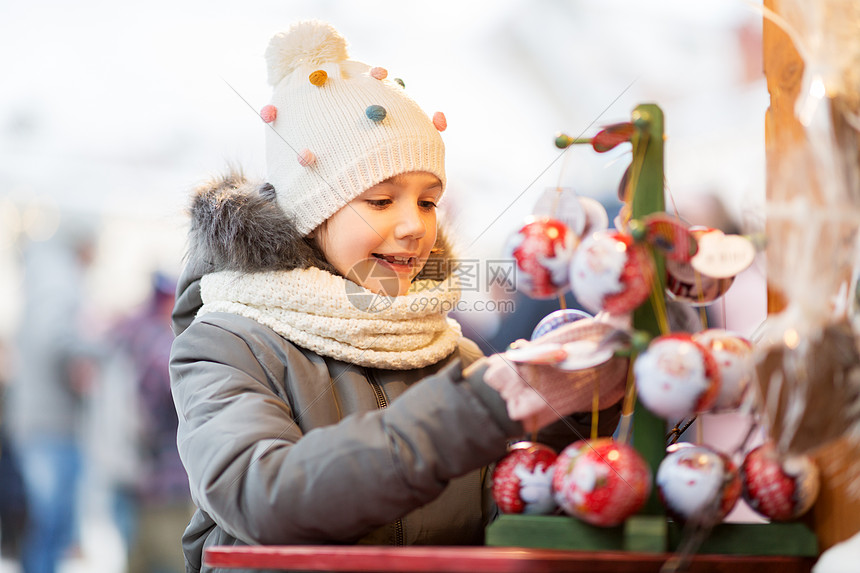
(110,112)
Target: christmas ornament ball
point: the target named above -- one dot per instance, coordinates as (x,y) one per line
(542,250)
(557,319)
(734,356)
(609,272)
(676,377)
(698,483)
(601,482)
(778,488)
(522,480)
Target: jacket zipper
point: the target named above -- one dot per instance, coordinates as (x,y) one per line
(382,402)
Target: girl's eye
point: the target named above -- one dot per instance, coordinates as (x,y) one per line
(428,205)
(379,203)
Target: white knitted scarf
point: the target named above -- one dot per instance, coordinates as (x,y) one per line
(324,313)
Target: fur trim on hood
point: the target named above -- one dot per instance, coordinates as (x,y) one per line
(237,225)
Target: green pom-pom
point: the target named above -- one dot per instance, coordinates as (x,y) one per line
(401,82)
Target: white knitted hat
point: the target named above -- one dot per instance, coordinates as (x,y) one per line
(338,126)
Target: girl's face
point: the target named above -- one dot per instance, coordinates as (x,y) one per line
(382,238)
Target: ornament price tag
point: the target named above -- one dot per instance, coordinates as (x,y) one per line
(723,256)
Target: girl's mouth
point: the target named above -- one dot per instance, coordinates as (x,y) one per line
(397,262)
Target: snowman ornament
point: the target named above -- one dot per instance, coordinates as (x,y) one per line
(522,480)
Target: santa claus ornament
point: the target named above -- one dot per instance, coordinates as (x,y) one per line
(522,480)
(698,483)
(601,482)
(676,377)
(542,249)
(734,358)
(778,488)
(609,272)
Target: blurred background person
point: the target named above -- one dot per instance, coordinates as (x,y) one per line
(13,503)
(55,367)
(133,436)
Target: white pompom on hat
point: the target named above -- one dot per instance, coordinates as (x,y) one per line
(337,127)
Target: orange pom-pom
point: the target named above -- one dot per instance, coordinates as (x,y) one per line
(379,73)
(439,121)
(306,158)
(318,78)
(269,113)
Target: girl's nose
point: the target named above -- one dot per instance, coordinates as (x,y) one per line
(411,224)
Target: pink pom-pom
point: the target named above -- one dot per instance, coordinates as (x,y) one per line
(269,113)
(439,121)
(306,158)
(379,73)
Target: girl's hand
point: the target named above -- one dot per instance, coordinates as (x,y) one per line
(565,371)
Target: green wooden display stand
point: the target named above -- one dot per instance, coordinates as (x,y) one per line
(789,539)
(639,533)
(649,530)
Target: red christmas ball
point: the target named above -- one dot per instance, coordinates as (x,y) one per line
(778,488)
(602,482)
(542,249)
(522,479)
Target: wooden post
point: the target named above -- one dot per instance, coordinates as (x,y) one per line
(783,68)
(836,515)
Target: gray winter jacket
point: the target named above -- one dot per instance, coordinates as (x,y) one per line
(283,446)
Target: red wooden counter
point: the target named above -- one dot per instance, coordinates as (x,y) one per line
(483,560)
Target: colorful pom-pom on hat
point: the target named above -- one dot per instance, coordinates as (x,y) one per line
(306,158)
(379,73)
(318,77)
(439,121)
(375,113)
(269,113)
(319,91)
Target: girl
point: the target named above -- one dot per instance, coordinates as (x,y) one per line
(317,402)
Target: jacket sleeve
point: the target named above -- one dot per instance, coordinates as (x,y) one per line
(265,482)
